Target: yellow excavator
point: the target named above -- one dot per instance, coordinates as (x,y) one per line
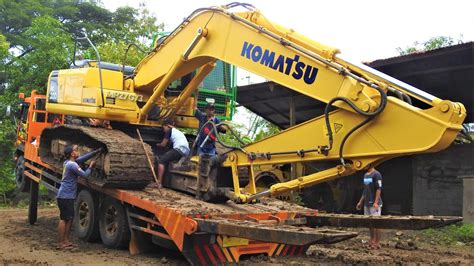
(369,117)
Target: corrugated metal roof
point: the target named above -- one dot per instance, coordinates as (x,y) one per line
(447,73)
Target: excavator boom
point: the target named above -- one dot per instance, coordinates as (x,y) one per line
(368,126)
(362,123)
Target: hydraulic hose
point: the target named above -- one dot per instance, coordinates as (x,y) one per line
(369,115)
(214,125)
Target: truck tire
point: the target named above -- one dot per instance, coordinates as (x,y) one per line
(22,182)
(113,224)
(86,217)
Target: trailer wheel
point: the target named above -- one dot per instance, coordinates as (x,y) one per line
(113,224)
(86,218)
(22,182)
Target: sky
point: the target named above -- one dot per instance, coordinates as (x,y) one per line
(365,30)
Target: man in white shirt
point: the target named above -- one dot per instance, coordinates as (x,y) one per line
(180,147)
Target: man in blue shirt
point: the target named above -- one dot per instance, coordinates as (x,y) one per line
(68,190)
(372,201)
(206,142)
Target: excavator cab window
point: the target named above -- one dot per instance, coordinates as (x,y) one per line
(24,112)
(40,110)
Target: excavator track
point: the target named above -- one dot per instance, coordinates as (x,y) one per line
(122,164)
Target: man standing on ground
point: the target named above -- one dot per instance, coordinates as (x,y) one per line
(371,198)
(67,192)
(180,147)
(206,142)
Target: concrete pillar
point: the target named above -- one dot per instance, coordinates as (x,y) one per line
(468,198)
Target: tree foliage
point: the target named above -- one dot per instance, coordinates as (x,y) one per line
(114,52)
(7,135)
(431,44)
(37,36)
(50,49)
(4,55)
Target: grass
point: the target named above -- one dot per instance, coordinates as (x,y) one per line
(24,203)
(452,234)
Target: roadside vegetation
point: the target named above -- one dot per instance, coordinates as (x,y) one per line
(37,37)
(458,234)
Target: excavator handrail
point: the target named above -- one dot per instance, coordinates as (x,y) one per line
(85,37)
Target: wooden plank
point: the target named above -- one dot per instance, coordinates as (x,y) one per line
(143,218)
(384,221)
(31,176)
(285,234)
(49,186)
(146,230)
(42,172)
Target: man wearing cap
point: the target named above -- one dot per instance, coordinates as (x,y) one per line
(68,190)
(180,147)
(206,142)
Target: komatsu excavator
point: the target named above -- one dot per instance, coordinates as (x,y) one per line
(369,117)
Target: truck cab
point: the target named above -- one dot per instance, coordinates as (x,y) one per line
(32,119)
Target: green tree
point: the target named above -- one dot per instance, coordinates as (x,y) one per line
(17,16)
(431,44)
(4,55)
(256,127)
(130,26)
(7,137)
(4,45)
(266,129)
(238,139)
(126,24)
(114,52)
(52,48)
(37,36)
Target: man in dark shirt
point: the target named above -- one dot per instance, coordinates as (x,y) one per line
(68,190)
(372,201)
(206,142)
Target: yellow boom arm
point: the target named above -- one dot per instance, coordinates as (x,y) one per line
(383,127)
(367,127)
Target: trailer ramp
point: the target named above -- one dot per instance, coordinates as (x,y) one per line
(286,234)
(383,222)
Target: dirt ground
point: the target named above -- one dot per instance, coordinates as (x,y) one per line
(21,243)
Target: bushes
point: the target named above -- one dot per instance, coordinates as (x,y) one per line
(451,234)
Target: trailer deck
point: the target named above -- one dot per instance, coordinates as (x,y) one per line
(271,227)
(210,233)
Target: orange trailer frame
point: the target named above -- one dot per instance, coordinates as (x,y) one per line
(202,237)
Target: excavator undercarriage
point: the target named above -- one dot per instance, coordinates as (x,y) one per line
(121,164)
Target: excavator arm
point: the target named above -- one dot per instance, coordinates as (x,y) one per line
(366,127)
(362,123)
